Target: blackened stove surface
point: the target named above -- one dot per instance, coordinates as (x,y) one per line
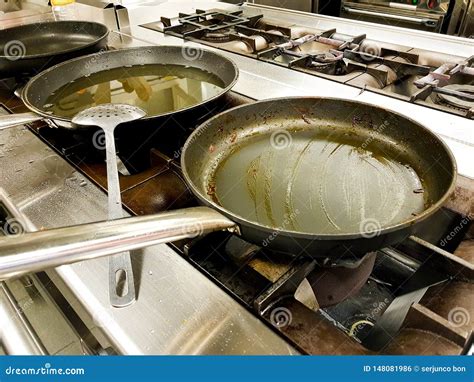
(251,283)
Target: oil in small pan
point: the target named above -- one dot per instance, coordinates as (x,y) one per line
(157,89)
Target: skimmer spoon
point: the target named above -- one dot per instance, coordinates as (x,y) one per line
(108,117)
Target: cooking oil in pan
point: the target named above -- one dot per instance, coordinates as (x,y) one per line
(320,184)
(157,89)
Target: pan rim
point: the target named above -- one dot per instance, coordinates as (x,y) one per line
(65,51)
(38,111)
(321,236)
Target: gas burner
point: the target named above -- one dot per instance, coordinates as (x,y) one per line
(331,280)
(326,62)
(327,68)
(451,95)
(412,75)
(217,37)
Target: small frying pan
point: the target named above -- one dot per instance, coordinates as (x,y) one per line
(37,91)
(30,48)
(304,176)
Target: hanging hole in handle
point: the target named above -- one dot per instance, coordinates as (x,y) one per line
(121,286)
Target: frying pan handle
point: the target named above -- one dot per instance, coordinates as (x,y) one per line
(33,252)
(11,120)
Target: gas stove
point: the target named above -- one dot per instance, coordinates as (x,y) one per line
(341,306)
(442,82)
(219,294)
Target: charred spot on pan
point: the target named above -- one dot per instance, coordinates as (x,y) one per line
(337,148)
(305,118)
(364,119)
(230,119)
(211,189)
(233,137)
(252,172)
(303,110)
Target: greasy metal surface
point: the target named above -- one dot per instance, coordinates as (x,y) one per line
(466,251)
(455,266)
(313,332)
(17,336)
(180,310)
(421,317)
(453,301)
(421,342)
(456,101)
(31,48)
(46,318)
(461,200)
(40,87)
(12,9)
(275,168)
(212,257)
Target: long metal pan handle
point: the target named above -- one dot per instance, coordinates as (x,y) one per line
(37,251)
(11,120)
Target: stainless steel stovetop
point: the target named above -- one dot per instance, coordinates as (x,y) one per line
(185,307)
(440,81)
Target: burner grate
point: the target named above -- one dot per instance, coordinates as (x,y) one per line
(357,61)
(450,85)
(457,95)
(202,23)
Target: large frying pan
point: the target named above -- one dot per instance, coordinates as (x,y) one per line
(28,49)
(36,92)
(312,176)
(322,177)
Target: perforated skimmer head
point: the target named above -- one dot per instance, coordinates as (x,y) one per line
(107,115)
